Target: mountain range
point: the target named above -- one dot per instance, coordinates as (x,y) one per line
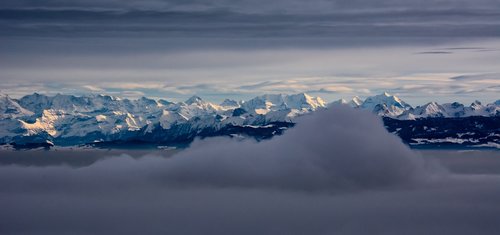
(66,120)
(388,105)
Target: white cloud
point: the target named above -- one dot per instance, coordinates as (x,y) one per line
(93,88)
(240,73)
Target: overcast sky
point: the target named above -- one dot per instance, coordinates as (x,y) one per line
(427,50)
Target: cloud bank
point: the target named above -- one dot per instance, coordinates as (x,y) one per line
(337,172)
(337,150)
(324,151)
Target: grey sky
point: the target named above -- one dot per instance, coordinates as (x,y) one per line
(256,5)
(161,48)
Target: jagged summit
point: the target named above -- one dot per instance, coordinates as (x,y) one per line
(230,103)
(340,101)
(306,101)
(9,108)
(476,103)
(431,109)
(194,100)
(84,119)
(278,101)
(388,105)
(383,104)
(354,102)
(385,98)
(89,118)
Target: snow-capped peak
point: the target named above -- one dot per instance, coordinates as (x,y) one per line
(147,102)
(431,109)
(340,101)
(385,104)
(304,100)
(476,105)
(96,117)
(280,102)
(10,108)
(164,103)
(356,101)
(476,102)
(194,100)
(230,103)
(384,98)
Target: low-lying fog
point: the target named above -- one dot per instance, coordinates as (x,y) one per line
(336,172)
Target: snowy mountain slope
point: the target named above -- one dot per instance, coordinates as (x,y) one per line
(463,132)
(95,118)
(9,108)
(431,109)
(230,104)
(266,103)
(452,110)
(354,102)
(388,105)
(385,105)
(73,120)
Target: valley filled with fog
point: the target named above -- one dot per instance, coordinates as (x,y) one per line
(337,171)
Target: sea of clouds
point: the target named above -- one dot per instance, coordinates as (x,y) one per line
(337,172)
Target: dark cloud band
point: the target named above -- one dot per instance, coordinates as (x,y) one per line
(225,24)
